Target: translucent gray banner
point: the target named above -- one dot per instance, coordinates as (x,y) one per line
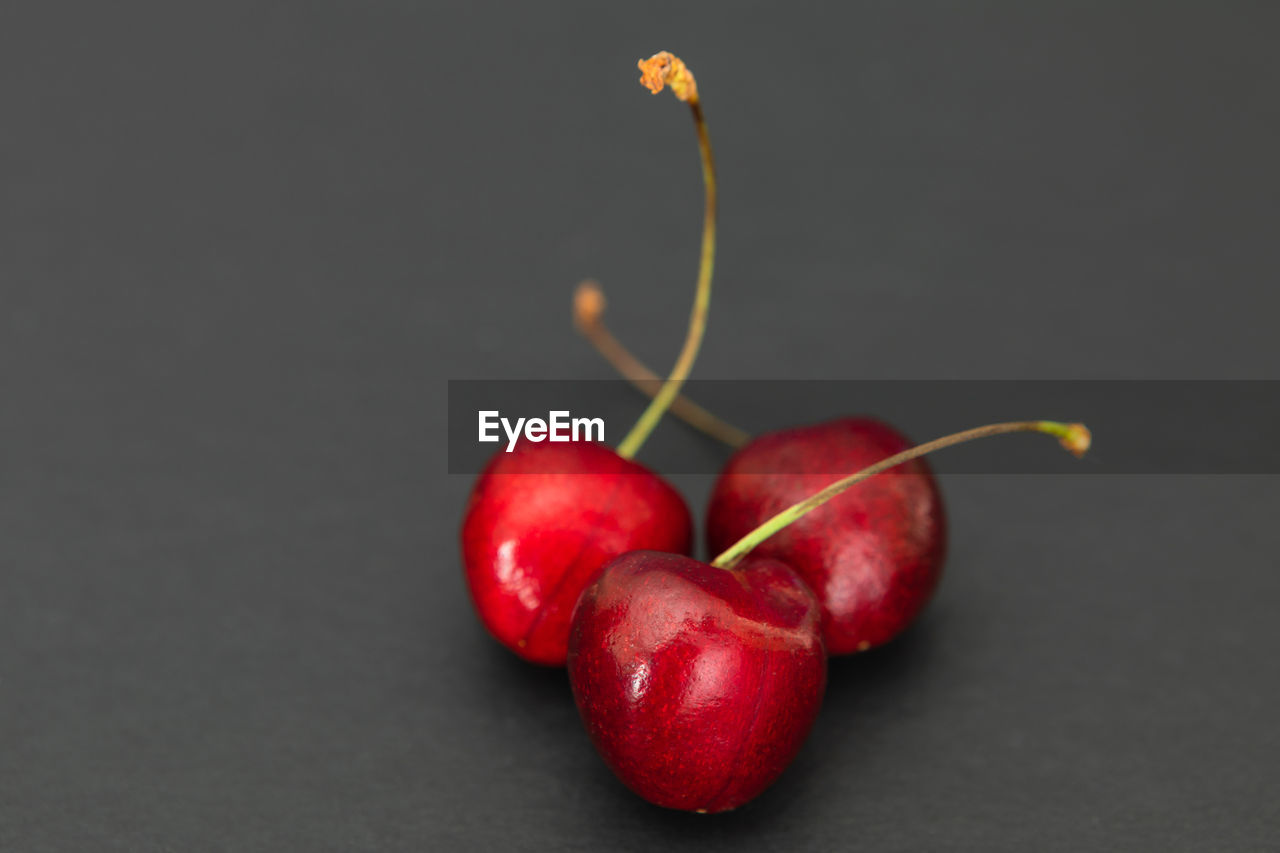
(1139,427)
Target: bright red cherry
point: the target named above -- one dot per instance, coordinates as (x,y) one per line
(697,684)
(541,522)
(873,556)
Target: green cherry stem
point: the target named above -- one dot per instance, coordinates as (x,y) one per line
(663,69)
(1074,437)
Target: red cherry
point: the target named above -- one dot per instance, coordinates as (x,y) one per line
(873,556)
(543,519)
(697,684)
(541,522)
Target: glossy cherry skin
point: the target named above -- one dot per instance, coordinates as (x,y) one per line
(540,523)
(697,684)
(873,555)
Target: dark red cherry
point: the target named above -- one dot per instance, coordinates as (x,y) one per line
(541,522)
(873,555)
(697,684)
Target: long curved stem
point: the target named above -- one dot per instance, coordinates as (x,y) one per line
(588,318)
(1074,437)
(660,69)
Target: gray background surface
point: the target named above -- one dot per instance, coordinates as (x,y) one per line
(244,245)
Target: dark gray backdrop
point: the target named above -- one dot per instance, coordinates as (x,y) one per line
(244,245)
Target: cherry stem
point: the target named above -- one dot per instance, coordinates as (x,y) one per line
(588,318)
(659,70)
(1074,437)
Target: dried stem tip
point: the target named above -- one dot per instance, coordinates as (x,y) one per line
(1077,439)
(665,69)
(588,305)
